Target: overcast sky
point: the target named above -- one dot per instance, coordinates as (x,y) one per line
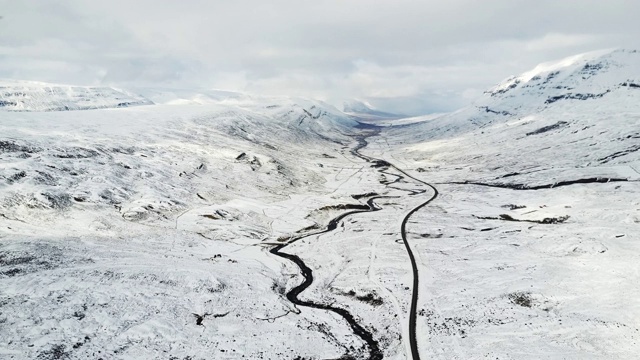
(406,56)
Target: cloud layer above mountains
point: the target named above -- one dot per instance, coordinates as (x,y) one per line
(407,56)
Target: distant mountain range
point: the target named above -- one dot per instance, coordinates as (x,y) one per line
(363,109)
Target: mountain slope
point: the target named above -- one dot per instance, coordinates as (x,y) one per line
(581,112)
(51,158)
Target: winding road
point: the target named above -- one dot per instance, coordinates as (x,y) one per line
(413,340)
(375,353)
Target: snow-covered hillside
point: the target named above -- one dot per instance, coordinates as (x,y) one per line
(52,158)
(36,96)
(534,240)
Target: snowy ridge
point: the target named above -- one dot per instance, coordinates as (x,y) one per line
(270,120)
(171,96)
(37,96)
(568,64)
(581,77)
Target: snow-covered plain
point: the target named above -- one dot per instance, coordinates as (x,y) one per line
(145,232)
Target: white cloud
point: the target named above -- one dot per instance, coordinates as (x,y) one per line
(554,41)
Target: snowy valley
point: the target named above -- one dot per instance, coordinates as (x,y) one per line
(217,225)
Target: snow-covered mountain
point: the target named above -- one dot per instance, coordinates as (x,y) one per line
(581,112)
(37,96)
(609,73)
(363,109)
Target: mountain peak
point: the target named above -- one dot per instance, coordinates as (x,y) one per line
(602,68)
(585,76)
